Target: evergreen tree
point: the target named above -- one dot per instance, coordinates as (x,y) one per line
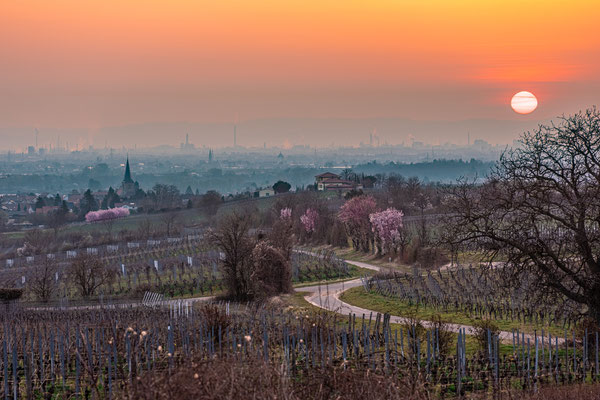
(87,204)
(110,199)
(281,187)
(40,202)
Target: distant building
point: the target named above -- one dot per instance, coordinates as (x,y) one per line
(326,175)
(128,186)
(74,198)
(187,145)
(46,209)
(329,181)
(267,192)
(129,206)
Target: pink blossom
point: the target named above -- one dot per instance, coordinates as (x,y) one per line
(356,211)
(386,226)
(309,220)
(355,215)
(103,215)
(285,213)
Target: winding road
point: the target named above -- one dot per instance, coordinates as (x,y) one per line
(327,297)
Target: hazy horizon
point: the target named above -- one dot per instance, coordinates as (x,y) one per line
(149,72)
(275,132)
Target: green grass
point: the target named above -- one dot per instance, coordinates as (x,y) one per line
(377,302)
(348,253)
(475,257)
(297,300)
(187,217)
(355,272)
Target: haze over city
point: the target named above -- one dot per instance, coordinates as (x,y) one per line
(300,200)
(146,73)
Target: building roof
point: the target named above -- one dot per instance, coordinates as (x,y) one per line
(336,180)
(327,175)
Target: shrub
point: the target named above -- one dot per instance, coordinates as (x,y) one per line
(569,392)
(142,288)
(431,257)
(271,272)
(9,294)
(416,332)
(445,337)
(221,379)
(480,331)
(214,317)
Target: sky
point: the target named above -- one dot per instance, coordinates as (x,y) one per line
(88,68)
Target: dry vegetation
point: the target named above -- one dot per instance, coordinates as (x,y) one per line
(256,380)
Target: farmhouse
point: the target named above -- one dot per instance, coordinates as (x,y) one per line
(329,181)
(266,192)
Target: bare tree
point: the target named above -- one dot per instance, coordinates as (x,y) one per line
(145,229)
(165,196)
(540,208)
(38,240)
(109,224)
(422,203)
(402,241)
(87,274)
(210,203)
(42,282)
(57,220)
(282,237)
(170,221)
(232,238)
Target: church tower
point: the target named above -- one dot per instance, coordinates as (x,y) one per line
(128,186)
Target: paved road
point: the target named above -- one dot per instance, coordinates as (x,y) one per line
(328,297)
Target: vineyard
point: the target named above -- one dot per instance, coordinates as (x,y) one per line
(318,265)
(478,292)
(186,266)
(99,352)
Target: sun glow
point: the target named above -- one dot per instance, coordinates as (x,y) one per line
(524,102)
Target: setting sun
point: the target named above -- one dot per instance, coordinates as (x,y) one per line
(524,102)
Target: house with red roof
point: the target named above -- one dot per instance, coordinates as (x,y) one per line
(329,181)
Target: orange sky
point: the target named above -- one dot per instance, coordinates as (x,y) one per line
(94,63)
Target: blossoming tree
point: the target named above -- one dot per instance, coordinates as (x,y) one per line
(386,226)
(104,215)
(285,213)
(355,216)
(309,220)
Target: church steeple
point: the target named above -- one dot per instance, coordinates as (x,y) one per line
(127,177)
